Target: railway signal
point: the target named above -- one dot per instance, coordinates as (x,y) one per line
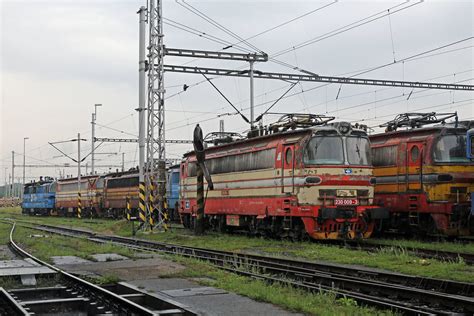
(202,172)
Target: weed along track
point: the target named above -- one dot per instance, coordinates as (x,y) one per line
(387,290)
(70,295)
(467,258)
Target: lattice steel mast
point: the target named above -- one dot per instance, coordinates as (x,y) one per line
(155,167)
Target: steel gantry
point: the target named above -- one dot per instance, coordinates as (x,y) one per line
(135,140)
(317,78)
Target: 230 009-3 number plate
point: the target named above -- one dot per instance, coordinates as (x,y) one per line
(343,202)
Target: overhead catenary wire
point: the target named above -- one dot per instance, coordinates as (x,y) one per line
(347,27)
(367,70)
(228,101)
(272,57)
(287,22)
(322,103)
(213,22)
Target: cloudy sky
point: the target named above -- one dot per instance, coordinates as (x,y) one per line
(59,58)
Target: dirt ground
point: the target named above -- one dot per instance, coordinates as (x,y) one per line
(127,270)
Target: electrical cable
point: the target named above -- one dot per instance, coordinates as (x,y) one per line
(345,28)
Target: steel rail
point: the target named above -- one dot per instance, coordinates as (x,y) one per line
(116,302)
(312,275)
(468,258)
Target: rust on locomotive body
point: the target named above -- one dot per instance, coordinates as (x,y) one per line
(67,190)
(314,182)
(424,177)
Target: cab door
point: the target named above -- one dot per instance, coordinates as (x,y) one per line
(414,165)
(288,168)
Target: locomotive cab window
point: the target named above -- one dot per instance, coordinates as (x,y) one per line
(451,148)
(288,156)
(100,183)
(52,187)
(384,156)
(324,150)
(414,153)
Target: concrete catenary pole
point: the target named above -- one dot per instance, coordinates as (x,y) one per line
(24,162)
(94,118)
(79,202)
(141,111)
(12,188)
(5,188)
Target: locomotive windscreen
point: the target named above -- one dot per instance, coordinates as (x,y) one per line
(451,148)
(358,151)
(329,150)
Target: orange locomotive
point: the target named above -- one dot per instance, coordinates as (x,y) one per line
(423,175)
(315,181)
(91,196)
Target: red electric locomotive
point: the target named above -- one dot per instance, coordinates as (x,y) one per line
(306,177)
(424,176)
(91,196)
(118,188)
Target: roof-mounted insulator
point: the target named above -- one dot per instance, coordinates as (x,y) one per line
(293,121)
(217,138)
(417,120)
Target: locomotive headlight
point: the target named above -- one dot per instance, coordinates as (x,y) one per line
(312,180)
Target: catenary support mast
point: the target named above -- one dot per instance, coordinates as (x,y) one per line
(155,170)
(142,215)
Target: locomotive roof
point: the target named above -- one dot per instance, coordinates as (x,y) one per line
(252,140)
(463,126)
(121,173)
(270,137)
(38,183)
(75,178)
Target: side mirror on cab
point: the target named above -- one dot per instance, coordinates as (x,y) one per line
(470,144)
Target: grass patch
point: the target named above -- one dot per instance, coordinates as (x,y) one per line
(55,245)
(455,246)
(105,279)
(290,298)
(41,281)
(5,233)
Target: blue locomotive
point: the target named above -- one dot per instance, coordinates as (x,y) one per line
(39,197)
(172,192)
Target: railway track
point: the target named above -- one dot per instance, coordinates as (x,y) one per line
(372,245)
(468,258)
(409,295)
(75,296)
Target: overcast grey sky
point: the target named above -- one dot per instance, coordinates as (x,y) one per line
(59,58)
